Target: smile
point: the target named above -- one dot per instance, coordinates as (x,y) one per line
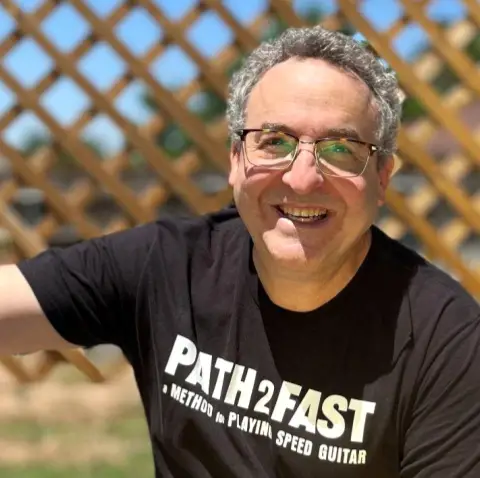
(304,215)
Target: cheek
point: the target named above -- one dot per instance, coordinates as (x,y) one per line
(255,181)
(250,191)
(359,194)
(353,190)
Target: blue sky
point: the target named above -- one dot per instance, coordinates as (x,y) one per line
(66,28)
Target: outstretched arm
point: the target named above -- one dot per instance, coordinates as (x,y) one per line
(24,327)
(83,295)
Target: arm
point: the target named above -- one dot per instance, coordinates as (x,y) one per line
(84,295)
(443,435)
(23,325)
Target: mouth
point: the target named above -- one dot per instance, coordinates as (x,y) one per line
(303,215)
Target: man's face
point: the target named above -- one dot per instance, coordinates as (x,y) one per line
(313,100)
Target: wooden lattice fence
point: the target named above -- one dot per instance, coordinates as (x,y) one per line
(62,189)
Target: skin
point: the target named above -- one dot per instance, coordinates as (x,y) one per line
(304,266)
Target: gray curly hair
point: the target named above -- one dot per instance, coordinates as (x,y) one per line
(335,48)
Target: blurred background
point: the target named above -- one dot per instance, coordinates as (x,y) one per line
(112,114)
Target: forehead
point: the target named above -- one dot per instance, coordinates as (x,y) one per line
(311,97)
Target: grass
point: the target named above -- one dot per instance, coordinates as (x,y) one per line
(109,448)
(67,427)
(136,465)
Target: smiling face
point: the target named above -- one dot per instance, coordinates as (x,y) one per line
(310,99)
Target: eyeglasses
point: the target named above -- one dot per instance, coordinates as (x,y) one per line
(341,157)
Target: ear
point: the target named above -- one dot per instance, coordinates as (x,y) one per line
(234,163)
(384,176)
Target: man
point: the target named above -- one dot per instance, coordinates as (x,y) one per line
(286,336)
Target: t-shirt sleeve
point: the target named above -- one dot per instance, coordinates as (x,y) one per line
(88,291)
(443,435)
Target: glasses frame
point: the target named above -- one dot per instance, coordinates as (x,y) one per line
(372,149)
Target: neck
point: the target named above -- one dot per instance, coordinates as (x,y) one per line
(306,290)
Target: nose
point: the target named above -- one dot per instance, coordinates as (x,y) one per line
(303,176)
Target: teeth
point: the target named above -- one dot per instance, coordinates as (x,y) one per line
(301,212)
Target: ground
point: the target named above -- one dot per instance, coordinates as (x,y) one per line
(67,425)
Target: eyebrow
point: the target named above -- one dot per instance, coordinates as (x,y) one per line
(332,132)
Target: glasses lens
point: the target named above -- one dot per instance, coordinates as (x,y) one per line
(269,148)
(343,157)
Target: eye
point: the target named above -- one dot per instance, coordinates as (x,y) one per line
(334,148)
(275,141)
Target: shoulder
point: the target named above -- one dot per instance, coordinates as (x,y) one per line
(180,231)
(178,240)
(213,231)
(168,240)
(432,298)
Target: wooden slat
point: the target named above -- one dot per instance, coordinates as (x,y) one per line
(159,163)
(460,63)
(68,212)
(457,198)
(77,357)
(215,79)
(283,8)
(75,55)
(430,64)
(16,369)
(396,28)
(25,237)
(69,205)
(90,162)
(11,40)
(114,91)
(425,198)
(243,36)
(428,235)
(8,190)
(473,10)
(46,364)
(432,101)
(193,126)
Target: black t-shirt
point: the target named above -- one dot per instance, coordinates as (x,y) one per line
(382,381)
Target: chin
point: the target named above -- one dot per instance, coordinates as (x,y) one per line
(291,252)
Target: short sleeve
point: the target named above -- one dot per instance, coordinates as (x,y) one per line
(88,291)
(443,436)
